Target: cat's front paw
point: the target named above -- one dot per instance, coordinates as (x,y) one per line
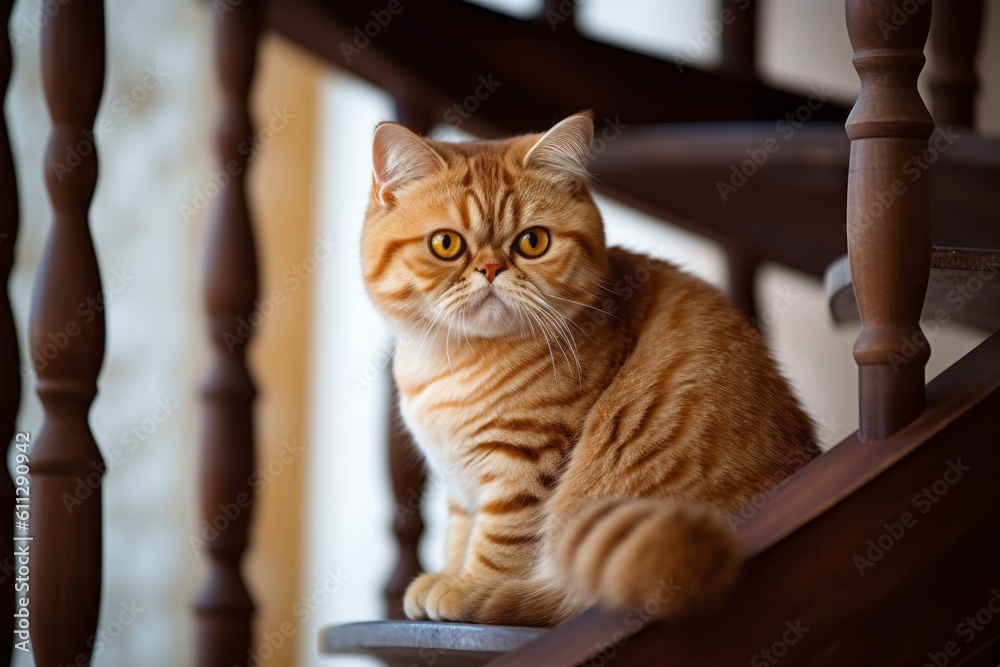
(442,597)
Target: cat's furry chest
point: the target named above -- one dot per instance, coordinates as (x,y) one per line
(463,413)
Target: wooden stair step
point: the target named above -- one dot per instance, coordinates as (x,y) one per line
(408,642)
(963,286)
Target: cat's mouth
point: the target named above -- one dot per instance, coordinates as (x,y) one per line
(491,313)
(492,300)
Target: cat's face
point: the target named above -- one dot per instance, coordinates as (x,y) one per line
(483,238)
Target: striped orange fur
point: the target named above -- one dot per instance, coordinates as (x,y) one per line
(594,412)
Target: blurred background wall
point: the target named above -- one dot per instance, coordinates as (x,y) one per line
(322,517)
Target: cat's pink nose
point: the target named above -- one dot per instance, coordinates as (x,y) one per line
(491,271)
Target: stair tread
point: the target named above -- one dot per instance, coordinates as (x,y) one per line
(453,644)
(961,287)
(792,206)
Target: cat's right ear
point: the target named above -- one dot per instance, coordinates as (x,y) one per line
(400,157)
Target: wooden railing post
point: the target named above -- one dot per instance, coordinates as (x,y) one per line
(10,358)
(742,279)
(224,607)
(889,210)
(67,351)
(406,471)
(739,37)
(955,35)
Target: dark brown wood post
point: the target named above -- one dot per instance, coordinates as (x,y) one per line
(67,352)
(739,37)
(406,467)
(742,279)
(955,34)
(10,358)
(559,14)
(889,211)
(224,607)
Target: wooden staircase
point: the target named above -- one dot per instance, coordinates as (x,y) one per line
(884,551)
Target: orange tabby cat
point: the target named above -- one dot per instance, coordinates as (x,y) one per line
(594,412)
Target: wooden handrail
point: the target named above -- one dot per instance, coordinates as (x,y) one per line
(67,352)
(224,607)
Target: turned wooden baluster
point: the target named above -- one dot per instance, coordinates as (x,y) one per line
(408,480)
(67,351)
(888,213)
(955,34)
(742,280)
(10,358)
(406,468)
(224,607)
(739,37)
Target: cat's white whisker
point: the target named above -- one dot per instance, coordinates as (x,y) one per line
(580,303)
(543,329)
(447,346)
(559,326)
(567,335)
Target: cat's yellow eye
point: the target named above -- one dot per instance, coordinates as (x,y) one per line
(446,244)
(532,242)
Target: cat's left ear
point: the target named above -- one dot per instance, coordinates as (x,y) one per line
(400,157)
(563,151)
